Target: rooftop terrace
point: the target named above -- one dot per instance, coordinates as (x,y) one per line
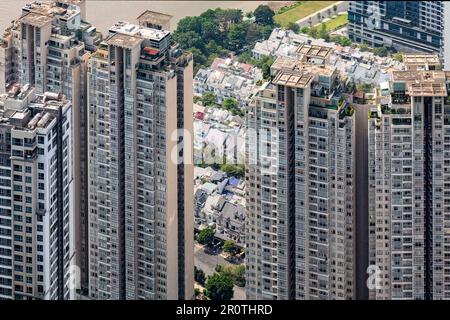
(123,40)
(155,18)
(421,59)
(129,29)
(36,19)
(427,89)
(314,51)
(293,79)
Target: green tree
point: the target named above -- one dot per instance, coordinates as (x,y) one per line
(189,24)
(236,36)
(366,87)
(239,274)
(227,17)
(230,247)
(199,57)
(323,33)
(219,287)
(197,292)
(236,170)
(398,56)
(190,39)
(293,26)
(266,31)
(210,31)
(209,14)
(265,65)
(363,47)
(209,99)
(343,41)
(230,103)
(206,236)
(213,48)
(381,51)
(236,273)
(264,15)
(253,33)
(313,32)
(266,71)
(199,276)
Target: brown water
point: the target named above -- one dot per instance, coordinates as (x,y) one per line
(103,14)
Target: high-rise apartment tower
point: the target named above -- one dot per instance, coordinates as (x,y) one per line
(140,176)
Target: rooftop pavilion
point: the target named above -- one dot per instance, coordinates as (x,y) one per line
(123,40)
(427,89)
(64,9)
(156,20)
(17,97)
(421,61)
(289,64)
(419,76)
(36,20)
(293,79)
(314,53)
(21,96)
(133,30)
(25,110)
(421,80)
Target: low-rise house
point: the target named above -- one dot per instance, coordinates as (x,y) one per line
(230,222)
(228,78)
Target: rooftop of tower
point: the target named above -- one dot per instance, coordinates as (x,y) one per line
(419,79)
(16,106)
(293,79)
(156,18)
(314,51)
(123,40)
(421,60)
(36,19)
(291,63)
(19,96)
(427,89)
(64,9)
(129,29)
(296,72)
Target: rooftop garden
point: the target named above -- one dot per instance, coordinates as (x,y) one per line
(336,22)
(300,10)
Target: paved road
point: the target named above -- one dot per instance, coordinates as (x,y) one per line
(207,262)
(342,6)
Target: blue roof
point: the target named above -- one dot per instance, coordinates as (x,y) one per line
(234,182)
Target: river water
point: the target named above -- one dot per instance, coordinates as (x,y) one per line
(104,13)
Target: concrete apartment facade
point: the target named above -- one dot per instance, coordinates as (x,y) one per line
(140,196)
(37,238)
(408,26)
(300,177)
(48,48)
(409,203)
